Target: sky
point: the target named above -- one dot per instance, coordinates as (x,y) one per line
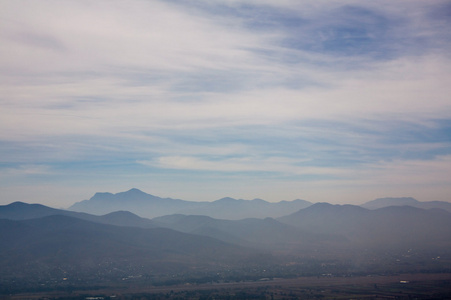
(328,101)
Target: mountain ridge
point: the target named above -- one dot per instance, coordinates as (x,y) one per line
(402,201)
(60,246)
(24,211)
(40,243)
(150,206)
(392,226)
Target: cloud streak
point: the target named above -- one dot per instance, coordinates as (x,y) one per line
(297,92)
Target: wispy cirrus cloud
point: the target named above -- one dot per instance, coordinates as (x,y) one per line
(291,92)
(27,170)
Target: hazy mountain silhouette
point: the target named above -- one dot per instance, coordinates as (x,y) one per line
(252,232)
(69,246)
(149,206)
(384,202)
(134,200)
(124,218)
(42,245)
(24,211)
(257,233)
(319,225)
(327,218)
(394,226)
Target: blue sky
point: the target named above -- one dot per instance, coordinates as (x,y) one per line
(337,101)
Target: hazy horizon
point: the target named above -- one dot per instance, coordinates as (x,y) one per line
(124,200)
(339,102)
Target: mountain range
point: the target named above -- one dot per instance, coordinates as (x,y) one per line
(387,227)
(150,206)
(57,248)
(318,225)
(40,243)
(409,201)
(25,211)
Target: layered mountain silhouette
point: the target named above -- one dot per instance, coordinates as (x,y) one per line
(25,211)
(60,247)
(67,238)
(317,226)
(46,243)
(388,227)
(385,202)
(252,232)
(149,206)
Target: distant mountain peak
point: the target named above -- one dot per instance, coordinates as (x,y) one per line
(390,201)
(226,199)
(397,199)
(259,200)
(17,204)
(23,205)
(406,201)
(121,213)
(321,205)
(150,206)
(134,191)
(101,194)
(333,208)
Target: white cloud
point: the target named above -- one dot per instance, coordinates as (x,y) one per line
(26,170)
(103,35)
(107,43)
(391,91)
(180,84)
(243,164)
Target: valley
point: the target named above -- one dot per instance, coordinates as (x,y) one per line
(48,250)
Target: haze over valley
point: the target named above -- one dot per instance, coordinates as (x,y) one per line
(44,248)
(287,149)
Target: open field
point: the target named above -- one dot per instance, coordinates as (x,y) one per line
(405,286)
